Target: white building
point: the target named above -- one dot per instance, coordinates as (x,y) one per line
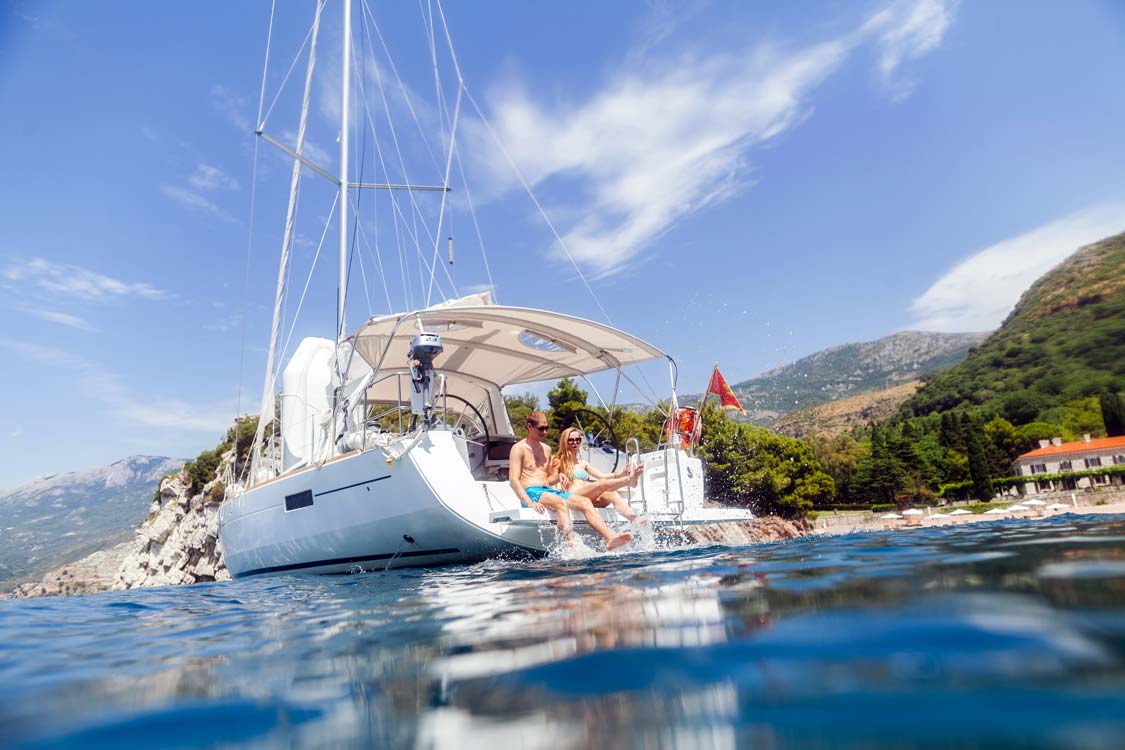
(1056,457)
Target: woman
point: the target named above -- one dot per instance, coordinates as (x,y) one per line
(574,472)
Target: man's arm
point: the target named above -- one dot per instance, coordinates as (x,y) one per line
(515,471)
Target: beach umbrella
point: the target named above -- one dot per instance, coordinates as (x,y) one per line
(996,511)
(890,517)
(1034,503)
(960,512)
(1017,506)
(912,512)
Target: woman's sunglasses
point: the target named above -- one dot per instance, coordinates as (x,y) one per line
(574,441)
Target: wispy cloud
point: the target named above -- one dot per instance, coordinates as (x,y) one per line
(119,401)
(17,432)
(231,105)
(75,281)
(192,199)
(664,139)
(907,30)
(55,316)
(977,293)
(207,177)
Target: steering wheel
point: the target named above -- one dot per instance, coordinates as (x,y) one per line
(597,432)
(469,423)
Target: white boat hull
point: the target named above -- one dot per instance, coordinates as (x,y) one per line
(357,512)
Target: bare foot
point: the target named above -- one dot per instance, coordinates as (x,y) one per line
(636,477)
(617,541)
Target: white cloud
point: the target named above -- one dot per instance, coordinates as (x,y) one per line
(194,200)
(54,316)
(977,293)
(119,401)
(232,106)
(663,140)
(907,30)
(75,281)
(207,177)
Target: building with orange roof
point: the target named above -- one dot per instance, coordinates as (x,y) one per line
(1054,457)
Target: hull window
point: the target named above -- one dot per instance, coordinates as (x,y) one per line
(300,500)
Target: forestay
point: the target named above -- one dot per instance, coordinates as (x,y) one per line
(502,345)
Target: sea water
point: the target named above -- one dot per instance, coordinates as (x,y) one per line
(1000,634)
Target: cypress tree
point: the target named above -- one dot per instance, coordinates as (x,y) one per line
(1113,413)
(979,471)
(952,436)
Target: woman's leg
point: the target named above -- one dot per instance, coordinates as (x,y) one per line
(619,503)
(585,506)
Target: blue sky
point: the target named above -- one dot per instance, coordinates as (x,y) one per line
(741,182)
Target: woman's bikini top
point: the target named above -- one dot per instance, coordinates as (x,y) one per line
(582,474)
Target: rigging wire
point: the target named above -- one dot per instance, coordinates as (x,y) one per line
(538,205)
(285,79)
(476,225)
(250,228)
(441,210)
(267,405)
(358,200)
(417,211)
(377,261)
(308,282)
(401,223)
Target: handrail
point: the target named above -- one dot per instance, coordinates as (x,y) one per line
(644,499)
(680,482)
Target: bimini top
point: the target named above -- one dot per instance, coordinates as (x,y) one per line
(502,345)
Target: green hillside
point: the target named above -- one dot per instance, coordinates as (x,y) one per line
(1065,340)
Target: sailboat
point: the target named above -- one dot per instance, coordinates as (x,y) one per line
(389,446)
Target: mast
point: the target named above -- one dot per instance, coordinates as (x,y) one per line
(341,324)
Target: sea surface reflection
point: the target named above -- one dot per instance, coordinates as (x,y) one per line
(1002,634)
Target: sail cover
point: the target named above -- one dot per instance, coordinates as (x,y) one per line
(502,345)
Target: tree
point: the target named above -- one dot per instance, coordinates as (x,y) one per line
(951,435)
(979,471)
(1003,445)
(753,467)
(839,457)
(1113,413)
(518,409)
(880,476)
(563,400)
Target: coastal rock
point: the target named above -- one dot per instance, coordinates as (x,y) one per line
(179,543)
(89,575)
(764,529)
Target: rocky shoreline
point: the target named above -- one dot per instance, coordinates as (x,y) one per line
(177,544)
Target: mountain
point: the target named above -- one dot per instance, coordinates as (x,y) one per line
(1063,341)
(842,371)
(836,417)
(59,518)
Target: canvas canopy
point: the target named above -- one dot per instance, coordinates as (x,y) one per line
(501,345)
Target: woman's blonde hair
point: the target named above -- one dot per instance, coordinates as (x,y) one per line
(562,456)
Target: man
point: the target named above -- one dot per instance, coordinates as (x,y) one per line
(528,475)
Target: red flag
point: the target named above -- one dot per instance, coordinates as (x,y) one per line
(719,387)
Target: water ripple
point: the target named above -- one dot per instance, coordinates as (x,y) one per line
(1007,633)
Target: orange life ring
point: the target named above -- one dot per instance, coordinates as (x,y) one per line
(680,427)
